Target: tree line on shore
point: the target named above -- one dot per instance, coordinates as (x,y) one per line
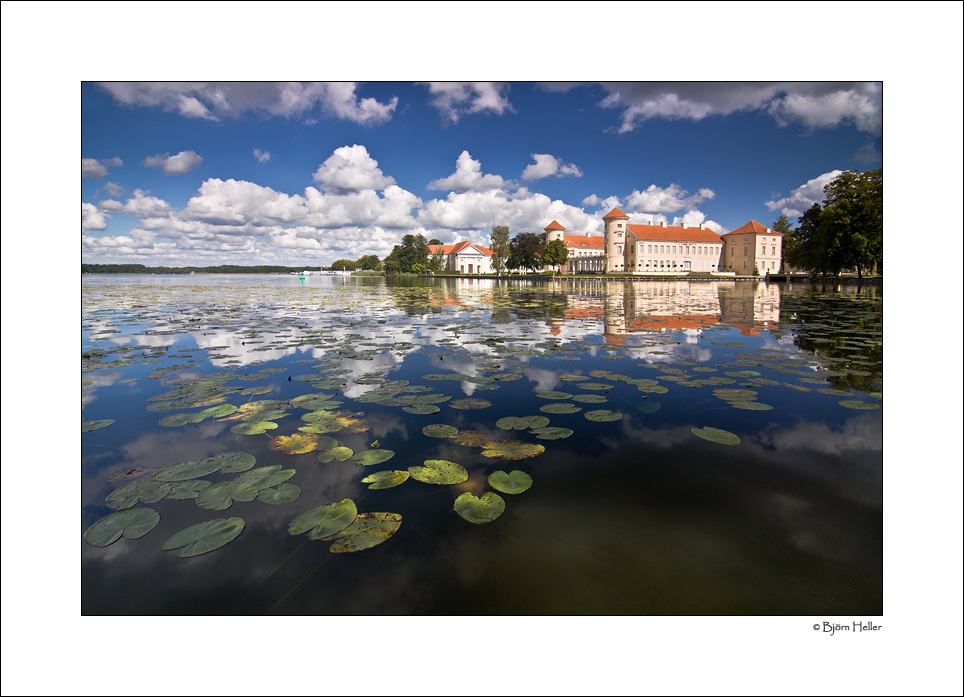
(223,268)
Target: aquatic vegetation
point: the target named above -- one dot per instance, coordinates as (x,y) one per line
(480,510)
(131,524)
(204,537)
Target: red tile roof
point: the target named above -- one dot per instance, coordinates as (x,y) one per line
(457,248)
(554,225)
(753,227)
(673,232)
(615,213)
(584,241)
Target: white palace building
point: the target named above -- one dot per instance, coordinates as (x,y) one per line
(642,249)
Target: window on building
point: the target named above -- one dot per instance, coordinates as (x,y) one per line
(649,249)
(619,249)
(674,250)
(746,250)
(619,225)
(773,250)
(763,250)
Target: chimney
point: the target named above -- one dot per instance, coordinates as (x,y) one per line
(684,226)
(702,226)
(662,223)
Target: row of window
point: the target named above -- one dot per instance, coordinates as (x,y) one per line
(683,249)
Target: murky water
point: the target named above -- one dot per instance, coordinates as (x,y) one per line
(633,515)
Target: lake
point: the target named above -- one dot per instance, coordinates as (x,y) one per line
(552,447)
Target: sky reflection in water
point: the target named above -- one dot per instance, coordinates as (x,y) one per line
(635,516)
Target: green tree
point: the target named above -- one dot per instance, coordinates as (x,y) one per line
(369,262)
(525,251)
(343,264)
(802,247)
(783,225)
(555,253)
(413,250)
(437,261)
(500,247)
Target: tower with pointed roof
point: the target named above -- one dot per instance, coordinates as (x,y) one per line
(555,231)
(616,232)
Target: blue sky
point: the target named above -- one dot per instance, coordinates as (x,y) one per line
(304,173)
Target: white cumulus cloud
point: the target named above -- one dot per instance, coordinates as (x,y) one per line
(455,99)
(183,162)
(548,166)
(468,177)
(91,168)
(351,168)
(655,199)
(803,197)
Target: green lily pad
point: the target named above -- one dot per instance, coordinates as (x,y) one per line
(595,386)
(561,408)
(204,537)
(603,415)
(750,405)
(858,404)
(373,457)
(231,462)
(146,490)
(551,432)
(470,403)
(285,493)
(186,470)
(86,426)
(180,419)
(263,478)
(553,394)
(187,490)
(218,411)
(221,495)
(439,472)
(296,444)
(131,524)
(366,531)
(323,521)
(512,450)
(589,398)
(515,482)
(716,435)
(439,430)
(386,479)
(422,409)
(340,453)
(573,378)
(480,510)
(253,428)
(261,389)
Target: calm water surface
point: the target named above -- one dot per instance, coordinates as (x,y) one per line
(636,515)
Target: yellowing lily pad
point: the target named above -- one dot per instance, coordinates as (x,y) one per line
(340,453)
(323,521)
(204,537)
(386,479)
(366,531)
(470,439)
(470,403)
(296,444)
(515,482)
(439,472)
(512,449)
(479,510)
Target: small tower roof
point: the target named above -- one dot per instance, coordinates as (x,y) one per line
(615,213)
(554,225)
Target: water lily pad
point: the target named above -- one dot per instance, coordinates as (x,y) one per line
(253,428)
(553,394)
(340,453)
(439,430)
(515,482)
(263,478)
(218,411)
(603,415)
(716,435)
(180,419)
(323,521)
(561,408)
(204,537)
(422,409)
(131,524)
(512,449)
(551,432)
(295,444)
(439,472)
(513,423)
(595,386)
(858,404)
(285,493)
(221,495)
(480,510)
(386,479)
(86,426)
(589,398)
(376,456)
(231,462)
(146,490)
(366,531)
(470,439)
(750,405)
(187,490)
(470,403)
(186,470)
